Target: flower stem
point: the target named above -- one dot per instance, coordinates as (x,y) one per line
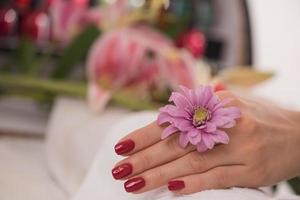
(53,86)
(78,89)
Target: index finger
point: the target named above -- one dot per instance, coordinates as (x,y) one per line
(139,139)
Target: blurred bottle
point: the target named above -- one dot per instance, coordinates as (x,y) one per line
(22,5)
(94,3)
(84,3)
(35,24)
(48,4)
(194,41)
(8,19)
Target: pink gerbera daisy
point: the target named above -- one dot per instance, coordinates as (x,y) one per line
(199,116)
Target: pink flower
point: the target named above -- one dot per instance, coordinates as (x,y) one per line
(70,17)
(137,56)
(66,17)
(199,117)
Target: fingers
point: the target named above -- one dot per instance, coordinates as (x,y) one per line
(155,155)
(192,163)
(139,139)
(217,178)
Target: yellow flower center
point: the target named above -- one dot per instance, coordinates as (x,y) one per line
(200,115)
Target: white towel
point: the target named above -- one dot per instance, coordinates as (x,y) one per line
(80,155)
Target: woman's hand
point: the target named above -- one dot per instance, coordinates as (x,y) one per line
(264,149)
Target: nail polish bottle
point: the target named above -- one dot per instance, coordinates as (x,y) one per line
(8,19)
(22,5)
(48,4)
(35,24)
(83,3)
(93,3)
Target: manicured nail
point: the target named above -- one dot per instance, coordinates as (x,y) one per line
(121,171)
(220,86)
(124,147)
(175,185)
(134,184)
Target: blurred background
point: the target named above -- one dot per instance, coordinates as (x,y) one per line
(130,55)
(60,47)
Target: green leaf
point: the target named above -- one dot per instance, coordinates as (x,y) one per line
(75,52)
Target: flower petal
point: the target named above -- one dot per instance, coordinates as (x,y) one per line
(223,103)
(201,147)
(233,112)
(220,136)
(174,111)
(185,91)
(207,133)
(210,127)
(194,136)
(164,118)
(230,124)
(97,97)
(183,140)
(183,125)
(208,140)
(190,94)
(220,121)
(212,102)
(199,94)
(168,131)
(180,100)
(207,94)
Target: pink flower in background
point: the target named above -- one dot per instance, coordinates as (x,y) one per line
(134,56)
(199,117)
(66,16)
(72,16)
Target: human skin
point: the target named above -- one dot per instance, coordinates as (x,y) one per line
(263,150)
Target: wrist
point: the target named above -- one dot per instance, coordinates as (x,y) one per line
(295,117)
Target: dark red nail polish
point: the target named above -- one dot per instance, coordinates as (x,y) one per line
(134,184)
(124,147)
(219,87)
(121,171)
(176,185)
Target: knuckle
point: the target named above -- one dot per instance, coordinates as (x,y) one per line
(145,160)
(197,162)
(250,122)
(159,175)
(143,136)
(222,180)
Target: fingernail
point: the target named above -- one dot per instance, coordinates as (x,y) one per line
(134,184)
(176,185)
(124,147)
(121,171)
(220,86)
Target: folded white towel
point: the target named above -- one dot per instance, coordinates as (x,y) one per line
(78,139)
